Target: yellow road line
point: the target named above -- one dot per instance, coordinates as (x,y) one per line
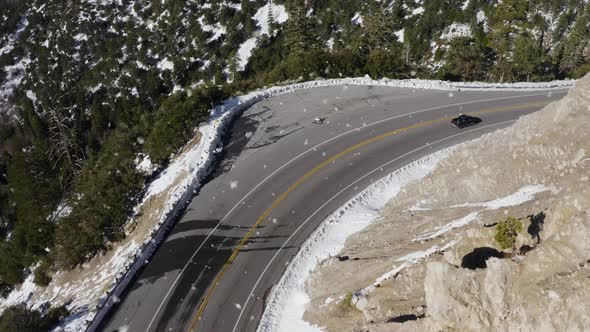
(314,171)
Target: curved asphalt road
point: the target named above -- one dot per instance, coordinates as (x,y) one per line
(280,170)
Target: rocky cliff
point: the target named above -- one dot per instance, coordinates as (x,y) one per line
(432,263)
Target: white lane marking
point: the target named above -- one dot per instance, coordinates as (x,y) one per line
(338,194)
(299,156)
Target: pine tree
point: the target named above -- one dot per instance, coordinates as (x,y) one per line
(506,233)
(232,63)
(301,33)
(466,60)
(379,26)
(527,56)
(270,19)
(575,44)
(507,18)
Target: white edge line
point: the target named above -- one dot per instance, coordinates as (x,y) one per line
(299,156)
(338,194)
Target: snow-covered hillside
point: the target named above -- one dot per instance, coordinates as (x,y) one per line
(105,48)
(109,47)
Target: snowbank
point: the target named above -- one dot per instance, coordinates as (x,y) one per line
(286,303)
(445,85)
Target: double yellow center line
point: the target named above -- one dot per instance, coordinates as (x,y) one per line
(316,169)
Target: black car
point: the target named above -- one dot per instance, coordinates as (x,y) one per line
(463,121)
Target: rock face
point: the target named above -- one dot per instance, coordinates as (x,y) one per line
(547,291)
(545,155)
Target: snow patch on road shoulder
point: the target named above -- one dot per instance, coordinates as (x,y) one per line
(286,304)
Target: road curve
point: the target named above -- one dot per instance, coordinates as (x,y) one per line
(279,177)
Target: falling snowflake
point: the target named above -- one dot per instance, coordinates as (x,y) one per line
(451,95)
(233,184)
(249,134)
(239,306)
(306,141)
(274,220)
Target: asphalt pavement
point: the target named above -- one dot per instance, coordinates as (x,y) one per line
(279,168)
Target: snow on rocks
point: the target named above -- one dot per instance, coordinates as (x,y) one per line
(468,219)
(245,52)
(465,5)
(357,19)
(523,195)
(14,74)
(144,164)
(10,40)
(286,303)
(400,35)
(165,64)
(456,30)
(359,298)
